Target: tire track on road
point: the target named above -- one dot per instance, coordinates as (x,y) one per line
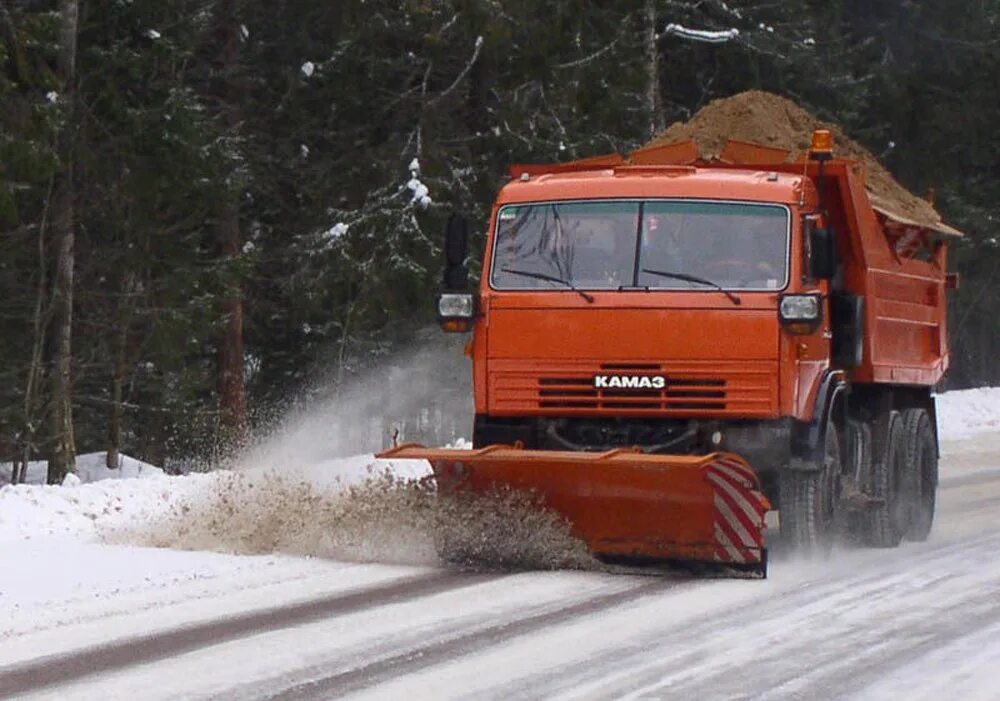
(964,508)
(933,630)
(443,651)
(973,478)
(76,665)
(672,648)
(815,659)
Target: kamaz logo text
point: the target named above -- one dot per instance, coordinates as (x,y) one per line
(630,381)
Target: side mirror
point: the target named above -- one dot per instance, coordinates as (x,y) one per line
(456,244)
(822,251)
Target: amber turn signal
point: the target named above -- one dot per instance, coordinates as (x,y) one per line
(800,328)
(456,325)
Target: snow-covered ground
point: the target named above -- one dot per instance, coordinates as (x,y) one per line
(967,412)
(90,467)
(78,570)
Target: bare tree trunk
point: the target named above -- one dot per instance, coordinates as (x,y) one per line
(985,333)
(15,471)
(40,320)
(15,45)
(654,106)
(62,457)
(232,380)
(345,331)
(112,458)
(231,377)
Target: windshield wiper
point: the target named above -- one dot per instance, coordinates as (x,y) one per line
(694,278)
(550,278)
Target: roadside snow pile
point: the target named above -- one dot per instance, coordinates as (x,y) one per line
(90,467)
(80,512)
(142,495)
(351,509)
(964,413)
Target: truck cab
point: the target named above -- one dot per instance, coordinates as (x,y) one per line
(668,307)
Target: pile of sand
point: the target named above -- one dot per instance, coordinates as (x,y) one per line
(771,120)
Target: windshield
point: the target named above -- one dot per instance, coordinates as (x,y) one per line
(657,244)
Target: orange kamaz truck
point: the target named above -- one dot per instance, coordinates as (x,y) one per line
(664,348)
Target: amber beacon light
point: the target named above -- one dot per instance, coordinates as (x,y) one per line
(821,148)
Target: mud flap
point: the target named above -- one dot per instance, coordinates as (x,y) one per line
(625,504)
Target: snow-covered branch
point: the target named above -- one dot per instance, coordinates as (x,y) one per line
(600,52)
(465,71)
(308,68)
(420,192)
(384,202)
(703,35)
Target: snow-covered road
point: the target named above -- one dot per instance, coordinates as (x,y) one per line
(919,622)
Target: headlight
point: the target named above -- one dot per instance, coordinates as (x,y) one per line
(456,306)
(800,308)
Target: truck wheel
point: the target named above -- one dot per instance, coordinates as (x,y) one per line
(857,477)
(808,501)
(888,518)
(922,472)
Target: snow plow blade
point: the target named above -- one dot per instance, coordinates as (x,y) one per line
(625,504)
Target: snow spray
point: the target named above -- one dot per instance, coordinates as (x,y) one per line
(311,486)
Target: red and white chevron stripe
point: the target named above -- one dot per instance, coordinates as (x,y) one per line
(740,507)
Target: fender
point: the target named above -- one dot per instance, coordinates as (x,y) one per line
(808,439)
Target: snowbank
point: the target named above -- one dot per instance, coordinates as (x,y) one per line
(964,413)
(90,467)
(141,495)
(38,510)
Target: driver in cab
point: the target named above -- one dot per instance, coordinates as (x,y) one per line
(729,256)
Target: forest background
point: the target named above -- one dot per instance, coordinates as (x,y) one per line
(211,210)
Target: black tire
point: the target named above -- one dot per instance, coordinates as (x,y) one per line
(859,454)
(921,467)
(858,475)
(808,501)
(888,518)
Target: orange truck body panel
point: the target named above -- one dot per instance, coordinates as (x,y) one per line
(536,352)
